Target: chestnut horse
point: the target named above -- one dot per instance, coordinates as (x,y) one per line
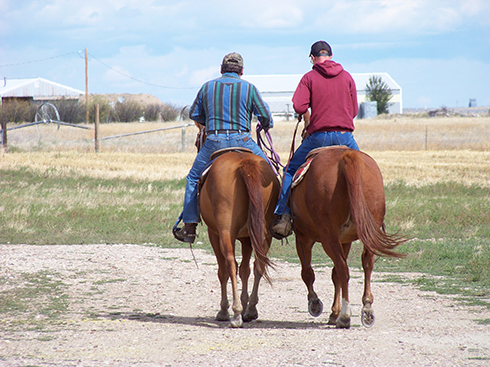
(341,199)
(237,201)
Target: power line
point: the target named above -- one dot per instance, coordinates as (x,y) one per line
(38,60)
(108,66)
(138,80)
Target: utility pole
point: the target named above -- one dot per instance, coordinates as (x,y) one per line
(86,82)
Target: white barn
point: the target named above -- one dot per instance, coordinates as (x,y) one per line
(35,89)
(277,90)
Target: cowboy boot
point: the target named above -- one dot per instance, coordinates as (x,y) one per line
(187,233)
(281,227)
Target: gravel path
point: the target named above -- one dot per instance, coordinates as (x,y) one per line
(133,305)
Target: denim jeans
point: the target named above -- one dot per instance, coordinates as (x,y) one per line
(315,140)
(213,143)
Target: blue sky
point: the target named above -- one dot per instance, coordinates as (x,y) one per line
(438,51)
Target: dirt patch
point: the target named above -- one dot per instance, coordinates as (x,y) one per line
(148,306)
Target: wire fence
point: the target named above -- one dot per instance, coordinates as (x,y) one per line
(379,134)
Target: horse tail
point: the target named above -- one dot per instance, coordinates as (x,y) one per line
(371,235)
(251,174)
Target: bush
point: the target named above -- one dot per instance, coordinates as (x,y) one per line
(126,112)
(75,112)
(153,112)
(17,111)
(70,111)
(169,112)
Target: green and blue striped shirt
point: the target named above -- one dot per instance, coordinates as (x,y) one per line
(227,103)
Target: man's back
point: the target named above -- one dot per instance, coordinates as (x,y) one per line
(227,103)
(331,94)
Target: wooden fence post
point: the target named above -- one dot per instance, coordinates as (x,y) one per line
(4,136)
(96,127)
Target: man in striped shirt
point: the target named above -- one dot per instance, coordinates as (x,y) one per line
(225,106)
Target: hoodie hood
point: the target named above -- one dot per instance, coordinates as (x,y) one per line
(328,68)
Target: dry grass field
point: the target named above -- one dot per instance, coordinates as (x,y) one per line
(416,150)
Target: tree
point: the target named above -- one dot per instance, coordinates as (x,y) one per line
(377,90)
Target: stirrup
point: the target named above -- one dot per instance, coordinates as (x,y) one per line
(285,222)
(181,234)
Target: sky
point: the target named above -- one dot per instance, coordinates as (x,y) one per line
(438,51)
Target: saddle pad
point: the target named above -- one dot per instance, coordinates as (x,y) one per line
(300,173)
(219,152)
(315,151)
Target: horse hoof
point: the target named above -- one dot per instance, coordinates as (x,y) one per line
(343,322)
(333,319)
(223,316)
(250,315)
(315,307)
(237,322)
(367,316)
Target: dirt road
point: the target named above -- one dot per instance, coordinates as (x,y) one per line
(147,306)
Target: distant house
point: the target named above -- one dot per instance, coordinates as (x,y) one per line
(35,89)
(277,90)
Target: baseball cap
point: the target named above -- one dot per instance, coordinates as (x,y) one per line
(319,46)
(233,59)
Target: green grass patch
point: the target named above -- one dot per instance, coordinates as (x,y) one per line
(33,298)
(449,223)
(52,208)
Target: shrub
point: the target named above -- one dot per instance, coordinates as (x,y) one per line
(17,111)
(70,111)
(169,112)
(126,112)
(153,112)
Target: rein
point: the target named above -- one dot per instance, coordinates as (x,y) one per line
(270,153)
(291,152)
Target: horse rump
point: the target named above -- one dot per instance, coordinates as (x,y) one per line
(363,183)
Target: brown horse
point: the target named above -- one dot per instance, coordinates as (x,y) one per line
(341,199)
(237,202)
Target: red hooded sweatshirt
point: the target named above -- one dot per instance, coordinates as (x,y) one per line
(331,94)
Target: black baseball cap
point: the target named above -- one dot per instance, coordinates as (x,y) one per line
(320,46)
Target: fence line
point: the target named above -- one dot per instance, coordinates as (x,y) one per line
(145,131)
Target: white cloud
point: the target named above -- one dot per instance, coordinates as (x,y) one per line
(199,77)
(407,16)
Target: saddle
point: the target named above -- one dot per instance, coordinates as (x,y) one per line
(301,172)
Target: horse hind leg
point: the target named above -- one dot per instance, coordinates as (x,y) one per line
(337,305)
(249,312)
(340,276)
(223,314)
(303,248)
(236,321)
(367,313)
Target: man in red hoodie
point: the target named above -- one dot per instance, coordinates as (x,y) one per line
(330,92)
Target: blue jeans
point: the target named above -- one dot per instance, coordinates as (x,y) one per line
(315,140)
(213,143)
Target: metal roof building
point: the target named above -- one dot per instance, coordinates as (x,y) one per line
(35,89)
(278,90)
